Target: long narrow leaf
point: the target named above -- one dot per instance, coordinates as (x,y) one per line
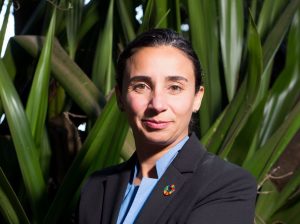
(268,14)
(23,142)
(273,41)
(285,91)
(4,25)
(146,23)
(276,35)
(204,37)
(10,206)
(267,199)
(73,21)
(37,102)
(253,77)
(69,75)
(127,25)
(90,18)
(262,161)
(288,215)
(102,66)
(231,35)
(288,190)
(97,140)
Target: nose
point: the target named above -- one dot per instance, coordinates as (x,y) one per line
(158,102)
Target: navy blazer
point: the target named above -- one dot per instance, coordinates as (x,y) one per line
(208,190)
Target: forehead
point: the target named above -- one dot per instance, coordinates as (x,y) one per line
(163,60)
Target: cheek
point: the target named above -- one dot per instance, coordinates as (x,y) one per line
(184,105)
(135,104)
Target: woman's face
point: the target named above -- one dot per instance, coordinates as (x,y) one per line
(158,95)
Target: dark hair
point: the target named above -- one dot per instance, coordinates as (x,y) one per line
(154,38)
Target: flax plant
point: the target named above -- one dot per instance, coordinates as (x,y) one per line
(63,78)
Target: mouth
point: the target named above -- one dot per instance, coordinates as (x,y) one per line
(155,124)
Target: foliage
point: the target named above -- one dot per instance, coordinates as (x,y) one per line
(51,85)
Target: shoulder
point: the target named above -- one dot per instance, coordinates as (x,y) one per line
(226,178)
(100,176)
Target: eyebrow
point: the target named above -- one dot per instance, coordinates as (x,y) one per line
(176,78)
(140,78)
(148,78)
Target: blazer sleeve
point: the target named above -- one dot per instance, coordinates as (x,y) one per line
(230,199)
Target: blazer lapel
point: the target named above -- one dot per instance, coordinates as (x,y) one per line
(157,201)
(115,188)
(177,173)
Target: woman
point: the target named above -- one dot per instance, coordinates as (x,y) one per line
(171,178)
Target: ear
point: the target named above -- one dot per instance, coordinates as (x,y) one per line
(198,99)
(119,98)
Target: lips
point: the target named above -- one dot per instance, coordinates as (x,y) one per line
(155,124)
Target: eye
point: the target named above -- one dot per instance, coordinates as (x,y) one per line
(174,89)
(140,87)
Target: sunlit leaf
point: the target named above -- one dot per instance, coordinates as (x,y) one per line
(265,157)
(102,74)
(69,75)
(37,103)
(269,13)
(252,86)
(285,91)
(24,143)
(204,37)
(231,36)
(4,25)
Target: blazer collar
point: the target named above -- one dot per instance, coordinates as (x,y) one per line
(177,173)
(115,190)
(189,156)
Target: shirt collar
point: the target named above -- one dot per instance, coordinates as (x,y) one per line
(163,162)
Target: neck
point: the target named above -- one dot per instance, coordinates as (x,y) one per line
(148,155)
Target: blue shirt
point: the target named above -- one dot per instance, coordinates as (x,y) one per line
(136,196)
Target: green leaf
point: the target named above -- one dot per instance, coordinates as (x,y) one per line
(269,13)
(285,91)
(128,28)
(162,20)
(102,74)
(267,199)
(241,106)
(276,35)
(246,142)
(288,215)
(23,142)
(111,125)
(231,36)
(265,157)
(10,207)
(252,86)
(128,147)
(212,130)
(272,42)
(204,37)
(37,102)
(289,189)
(4,25)
(73,22)
(146,23)
(90,18)
(69,75)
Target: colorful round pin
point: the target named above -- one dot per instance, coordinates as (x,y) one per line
(169,189)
